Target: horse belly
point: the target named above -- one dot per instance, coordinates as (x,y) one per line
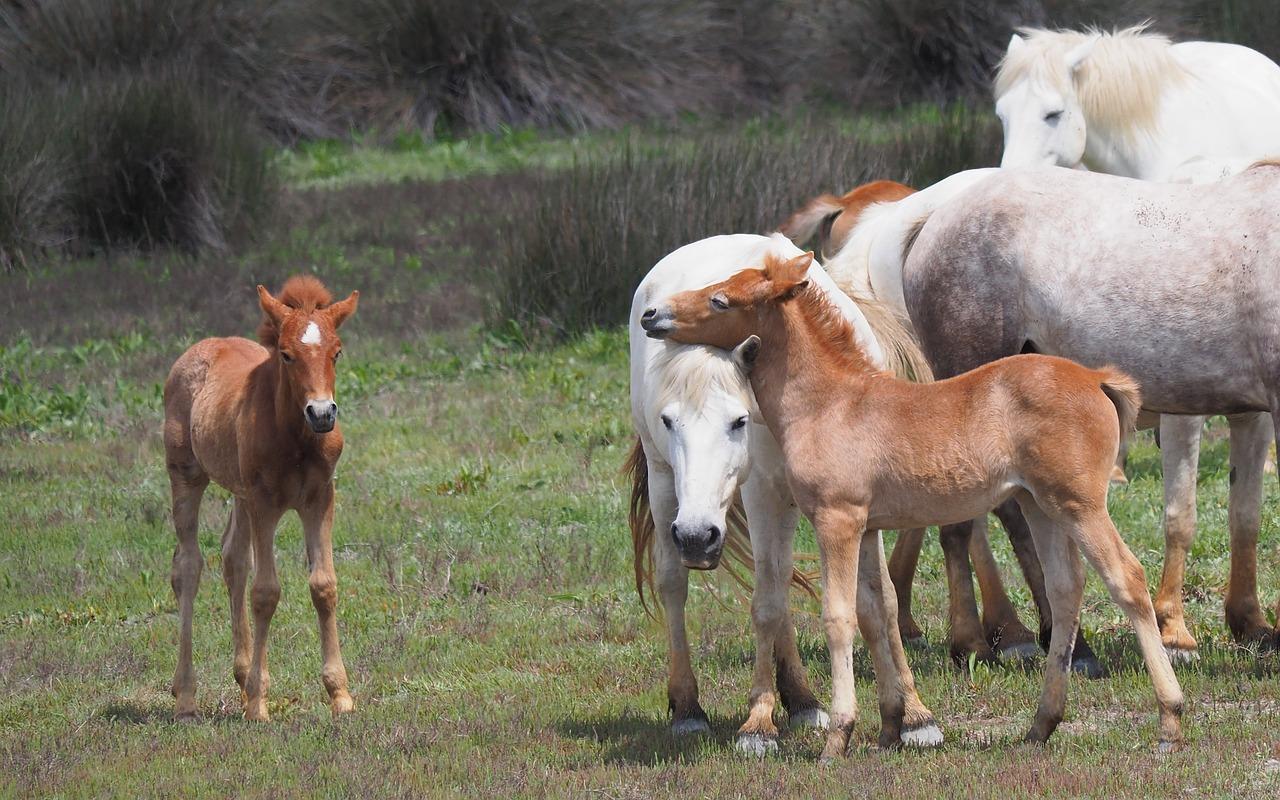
(917,508)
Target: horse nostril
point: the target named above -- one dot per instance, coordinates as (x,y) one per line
(649,314)
(714,534)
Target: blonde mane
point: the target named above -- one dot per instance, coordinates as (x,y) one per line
(1119,84)
(692,372)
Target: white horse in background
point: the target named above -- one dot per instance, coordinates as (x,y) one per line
(1131,103)
(700,446)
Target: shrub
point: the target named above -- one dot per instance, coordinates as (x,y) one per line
(159,160)
(448,65)
(573,261)
(34,216)
(243,48)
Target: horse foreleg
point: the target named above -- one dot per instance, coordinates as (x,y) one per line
(187,487)
(264,597)
(839,532)
(902,571)
(962,605)
(317,529)
(1250,441)
(1000,623)
(877,600)
(1180,457)
(771,522)
(672,578)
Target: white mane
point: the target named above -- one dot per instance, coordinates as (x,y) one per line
(1119,84)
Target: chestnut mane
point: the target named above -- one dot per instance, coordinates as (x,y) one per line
(303,292)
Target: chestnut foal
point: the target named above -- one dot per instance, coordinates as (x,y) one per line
(259,420)
(865,451)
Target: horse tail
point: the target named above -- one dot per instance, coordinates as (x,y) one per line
(1125,394)
(640,518)
(740,562)
(821,211)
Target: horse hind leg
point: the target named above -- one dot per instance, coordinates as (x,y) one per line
(237,558)
(902,569)
(1064,587)
(1004,631)
(966,632)
(1180,457)
(187,482)
(1127,584)
(1250,442)
(1083,659)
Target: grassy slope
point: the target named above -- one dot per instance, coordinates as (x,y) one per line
(494,642)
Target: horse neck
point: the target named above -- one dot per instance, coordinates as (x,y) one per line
(808,355)
(289,427)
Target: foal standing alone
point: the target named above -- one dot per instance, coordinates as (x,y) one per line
(260,420)
(865,451)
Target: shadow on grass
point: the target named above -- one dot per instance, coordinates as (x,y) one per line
(150,713)
(630,738)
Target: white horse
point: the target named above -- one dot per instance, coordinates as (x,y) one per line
(699,447)
(1131,103)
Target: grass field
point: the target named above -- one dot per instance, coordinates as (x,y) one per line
(495,644)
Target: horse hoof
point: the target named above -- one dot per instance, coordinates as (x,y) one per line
(690,726)
(1025,651)
(1181,655)
(810,718)
(756,745)
(342,704)
(923,736)
(186,717)
(1089,667)
(1164,748)
(916,642)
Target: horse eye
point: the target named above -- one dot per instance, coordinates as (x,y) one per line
(738,424)
(719,302)
(337,355)
(1053,116)
(288,359)
(666,422)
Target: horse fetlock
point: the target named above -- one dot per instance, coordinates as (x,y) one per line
(812,717)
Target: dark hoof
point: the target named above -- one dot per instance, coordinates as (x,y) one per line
(1164,748)
(1089,667)
(690,726)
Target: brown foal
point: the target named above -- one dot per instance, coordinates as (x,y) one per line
(260,421)
(866,451)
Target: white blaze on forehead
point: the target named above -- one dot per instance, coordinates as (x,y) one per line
(311,335)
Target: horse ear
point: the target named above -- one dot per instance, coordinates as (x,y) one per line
(792,276)
(338,312)
(273,308)
(744,355)
(1076,56)
(1016,43)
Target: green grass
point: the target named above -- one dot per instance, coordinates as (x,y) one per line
(494,642)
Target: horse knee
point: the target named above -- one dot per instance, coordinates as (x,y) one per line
(265,597)
(324,591)
(187,566)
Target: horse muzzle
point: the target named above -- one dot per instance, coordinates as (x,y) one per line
(322,415)
(658,323)
(700,546)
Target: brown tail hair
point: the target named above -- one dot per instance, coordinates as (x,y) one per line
(818,212)
(1125,394)
(737,542)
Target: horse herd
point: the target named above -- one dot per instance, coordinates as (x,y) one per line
(983,344)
